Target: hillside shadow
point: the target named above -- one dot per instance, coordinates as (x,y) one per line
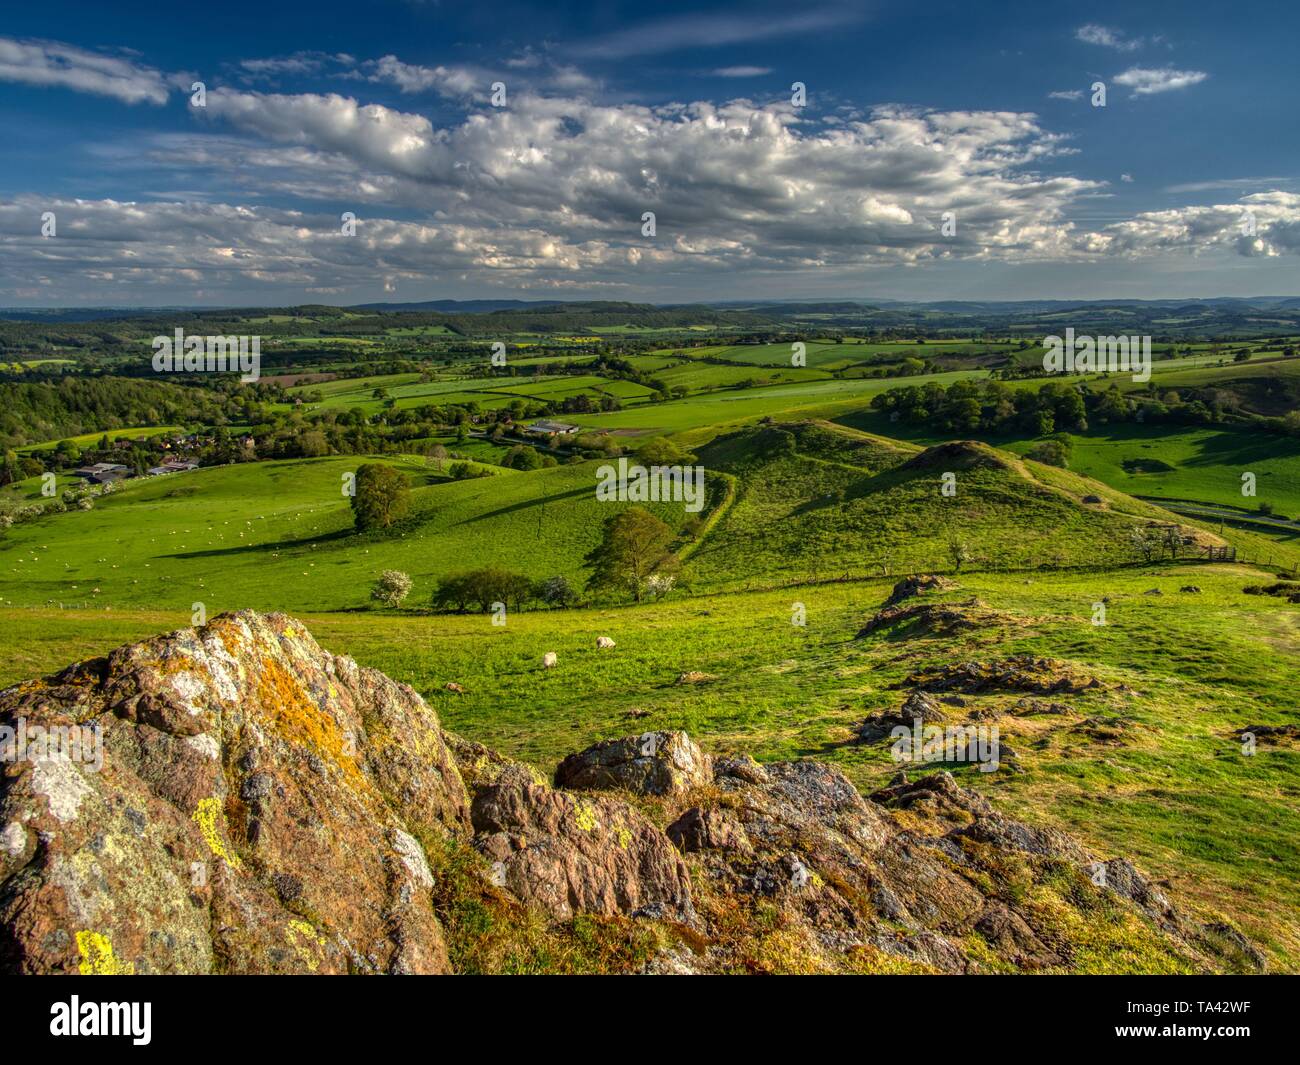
(235,551)
(530,503)
(1228,447)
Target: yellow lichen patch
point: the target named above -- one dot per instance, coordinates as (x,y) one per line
(232,639)
(97,957)
(211,820)
(584,816)
(172,664)
(28,686)
(622,836)
(306,943)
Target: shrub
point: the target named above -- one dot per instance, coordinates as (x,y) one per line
(557,592)
(392,587)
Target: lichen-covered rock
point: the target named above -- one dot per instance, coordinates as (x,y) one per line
(1008,933)
(699,829)
(568,853)
(260,805)
(653,763)
(925,877)
(742,767)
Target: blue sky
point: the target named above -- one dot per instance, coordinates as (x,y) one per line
(1184,184)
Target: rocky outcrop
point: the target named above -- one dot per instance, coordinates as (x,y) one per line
(917,707)
(653,763)
(260,805)
(936,619)
(568,853)
(918,584)
(1019,673)
(257,804)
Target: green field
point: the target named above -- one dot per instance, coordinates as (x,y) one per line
(278,535)
(86,440)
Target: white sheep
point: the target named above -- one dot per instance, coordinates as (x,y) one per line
(549,660)
(604,642)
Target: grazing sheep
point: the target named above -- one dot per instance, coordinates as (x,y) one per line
(549,660)
(604,642)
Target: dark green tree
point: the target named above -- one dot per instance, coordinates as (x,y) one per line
(382,497)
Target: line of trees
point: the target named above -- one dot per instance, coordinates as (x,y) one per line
(996,408)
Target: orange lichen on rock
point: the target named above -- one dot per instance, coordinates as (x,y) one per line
(299,720)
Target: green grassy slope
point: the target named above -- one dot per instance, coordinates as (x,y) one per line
(818,502)
(1202,463)
(279,535)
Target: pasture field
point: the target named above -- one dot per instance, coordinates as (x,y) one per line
(407,390)
(699,376)
(279,535)
(343,385)
(1206,464)
(712,410)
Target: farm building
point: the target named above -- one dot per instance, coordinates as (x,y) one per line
(174,466)
(103,472)
(546,427)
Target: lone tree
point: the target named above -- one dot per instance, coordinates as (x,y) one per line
(382,497)
(435,457)
(634,547)
(392,587)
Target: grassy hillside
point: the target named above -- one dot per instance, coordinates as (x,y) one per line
(811,501)
(1167,461)
(279,535)
(818,502)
